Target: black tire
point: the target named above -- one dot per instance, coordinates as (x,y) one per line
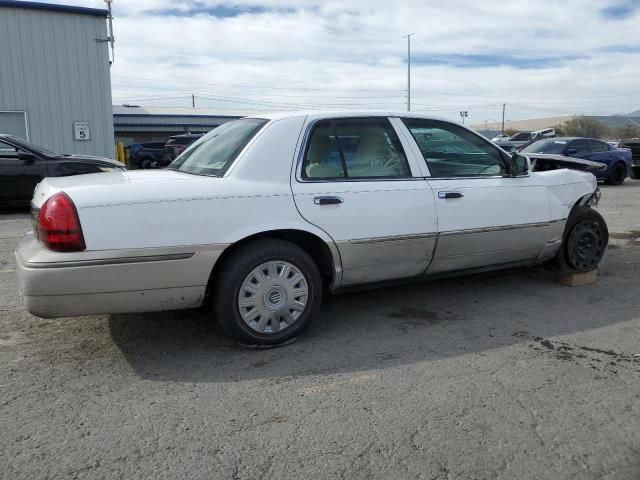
(617,174)
(584,242)
(239,265)
(147,163)
(635,173)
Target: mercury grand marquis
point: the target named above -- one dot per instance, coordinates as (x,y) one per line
(261,217)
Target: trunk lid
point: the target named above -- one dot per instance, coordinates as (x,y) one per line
(97,189)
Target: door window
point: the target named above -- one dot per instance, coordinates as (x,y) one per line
(580,146)
(354,148)
(597,146)
(453,151)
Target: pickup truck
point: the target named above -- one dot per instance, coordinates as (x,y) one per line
(147,155)
(634,146)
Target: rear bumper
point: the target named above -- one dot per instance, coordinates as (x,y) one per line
(56,284)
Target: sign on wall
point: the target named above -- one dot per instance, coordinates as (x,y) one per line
(81,131)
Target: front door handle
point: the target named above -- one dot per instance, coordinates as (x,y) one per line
(327,200)
(450,195)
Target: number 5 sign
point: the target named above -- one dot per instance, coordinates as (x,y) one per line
(81,131)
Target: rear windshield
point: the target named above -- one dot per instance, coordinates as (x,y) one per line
(546,146)
(213,153)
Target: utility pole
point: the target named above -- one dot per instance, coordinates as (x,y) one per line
(464,114)
(193,100)
(409,72)
(504,105)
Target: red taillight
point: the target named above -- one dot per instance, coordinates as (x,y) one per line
(59,225)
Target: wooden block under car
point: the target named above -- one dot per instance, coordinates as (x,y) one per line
(578,279)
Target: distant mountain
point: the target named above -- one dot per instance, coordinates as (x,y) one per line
(634,114)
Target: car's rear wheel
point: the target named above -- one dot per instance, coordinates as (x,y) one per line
(266,292)
(617,174)
(635,173)
(584,242)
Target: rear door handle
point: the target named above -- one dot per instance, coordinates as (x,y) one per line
(450,195)
(327,200)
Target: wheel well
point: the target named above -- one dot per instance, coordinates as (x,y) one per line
(310,243)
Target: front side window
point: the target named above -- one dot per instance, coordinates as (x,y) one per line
(214,153)
(453,151)
(357,148)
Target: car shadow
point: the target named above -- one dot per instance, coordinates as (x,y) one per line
(387,327)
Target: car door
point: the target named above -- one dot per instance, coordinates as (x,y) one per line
(20,172)
(599,151)
(356,181)
(484,217)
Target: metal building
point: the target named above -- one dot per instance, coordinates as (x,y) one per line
(136,124)
(55,86)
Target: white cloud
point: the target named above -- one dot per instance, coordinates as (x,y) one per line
(542,58)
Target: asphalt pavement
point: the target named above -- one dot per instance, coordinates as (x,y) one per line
(507,375)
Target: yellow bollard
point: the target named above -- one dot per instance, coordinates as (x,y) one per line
(121,152)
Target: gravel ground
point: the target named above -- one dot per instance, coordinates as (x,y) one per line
(505,375)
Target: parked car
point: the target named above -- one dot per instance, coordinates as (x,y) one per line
(633,145)
(502,137)
(618,160)
(522,139)
(264,215)
(507,148)
(177,144)
(147,155)
(23,165)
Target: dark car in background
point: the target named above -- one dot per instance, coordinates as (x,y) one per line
(23,166)
(633,145)
(147,155)
(618,160)
(178,144)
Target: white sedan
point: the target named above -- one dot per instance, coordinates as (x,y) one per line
(262,216)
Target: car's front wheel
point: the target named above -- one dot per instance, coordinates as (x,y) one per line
(584,242)
(266,292)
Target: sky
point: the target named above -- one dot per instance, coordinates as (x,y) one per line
(542,58)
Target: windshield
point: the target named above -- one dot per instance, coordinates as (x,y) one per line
(213,153)
(28,146)
(546,146)
(519,137)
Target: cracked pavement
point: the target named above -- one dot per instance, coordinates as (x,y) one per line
(503,375)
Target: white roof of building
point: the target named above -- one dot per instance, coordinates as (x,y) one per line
(179,111)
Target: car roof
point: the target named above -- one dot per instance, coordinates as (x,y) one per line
(568,139)
(319,114)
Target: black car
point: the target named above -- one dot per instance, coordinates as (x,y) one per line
(147,155)
(23,165)
(178,144)
(633,145)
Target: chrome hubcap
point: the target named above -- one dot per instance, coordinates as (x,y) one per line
(272,297)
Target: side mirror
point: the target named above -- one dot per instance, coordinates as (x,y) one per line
(571,151)
(519,165)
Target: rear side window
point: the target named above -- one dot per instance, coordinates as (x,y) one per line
(354,148)
(580,146)
(214,153)
(597,146)
(453,151)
